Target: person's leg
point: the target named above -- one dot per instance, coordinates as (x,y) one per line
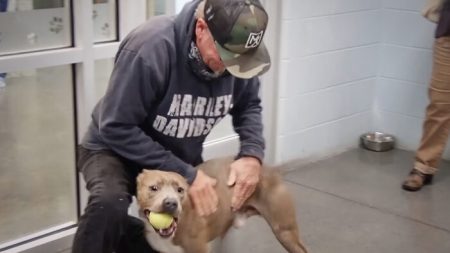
(2,80)
(3,5)
(105,226)
(437,121)
(134,240)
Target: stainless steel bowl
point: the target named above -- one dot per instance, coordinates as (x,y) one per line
(377,141)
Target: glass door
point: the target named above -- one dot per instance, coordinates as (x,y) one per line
(37,161)
(32,25)
(37,125)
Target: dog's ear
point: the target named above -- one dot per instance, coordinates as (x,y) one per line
(139,179)
(141,175)
(183,181)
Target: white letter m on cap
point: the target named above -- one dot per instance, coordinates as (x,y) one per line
(254,40)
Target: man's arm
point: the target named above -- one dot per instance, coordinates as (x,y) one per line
(247,121)
(133,88)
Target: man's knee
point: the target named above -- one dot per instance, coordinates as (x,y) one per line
(110,204)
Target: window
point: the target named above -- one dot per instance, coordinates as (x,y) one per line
(103,69)
(105,23)
(156,7)
(37,161)
(27,25)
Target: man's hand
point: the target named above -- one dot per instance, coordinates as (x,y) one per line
(244,174)
(203,195)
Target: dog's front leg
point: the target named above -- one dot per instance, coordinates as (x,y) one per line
(194,239)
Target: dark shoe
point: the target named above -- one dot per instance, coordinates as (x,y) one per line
(416,180)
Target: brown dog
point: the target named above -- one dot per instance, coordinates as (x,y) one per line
(159,191)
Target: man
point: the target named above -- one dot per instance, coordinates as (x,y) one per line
(174,79)
(437,121)
(3,8)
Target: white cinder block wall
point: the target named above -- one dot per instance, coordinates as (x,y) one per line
(405,70)
(350,66)
(328,72)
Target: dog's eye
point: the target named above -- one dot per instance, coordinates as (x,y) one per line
(154,188)
(180,190)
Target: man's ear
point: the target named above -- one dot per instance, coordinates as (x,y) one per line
(200,28)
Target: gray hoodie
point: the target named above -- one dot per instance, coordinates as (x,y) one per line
(157,113)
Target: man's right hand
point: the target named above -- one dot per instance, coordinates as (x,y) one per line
(203,195)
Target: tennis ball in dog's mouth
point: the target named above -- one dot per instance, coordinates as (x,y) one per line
(160,220)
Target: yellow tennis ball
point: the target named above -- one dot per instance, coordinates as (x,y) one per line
(160,220)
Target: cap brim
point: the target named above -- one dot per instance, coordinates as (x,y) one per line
(247,65)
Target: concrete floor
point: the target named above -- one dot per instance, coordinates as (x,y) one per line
(353,203)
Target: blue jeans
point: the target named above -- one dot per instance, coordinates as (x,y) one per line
(3,5)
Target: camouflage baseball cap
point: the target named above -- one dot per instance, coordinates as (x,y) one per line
(238,27)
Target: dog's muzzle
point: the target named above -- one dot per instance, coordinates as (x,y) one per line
(166,232)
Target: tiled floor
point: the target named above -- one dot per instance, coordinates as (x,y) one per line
(353,203)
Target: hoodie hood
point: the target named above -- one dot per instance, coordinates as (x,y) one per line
(184,27)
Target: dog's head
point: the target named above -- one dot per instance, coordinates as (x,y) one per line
(161,192)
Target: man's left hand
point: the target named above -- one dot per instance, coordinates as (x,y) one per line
(244,174)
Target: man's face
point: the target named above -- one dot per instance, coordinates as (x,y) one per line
(207,47)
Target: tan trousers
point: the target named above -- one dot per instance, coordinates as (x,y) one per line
(437,122)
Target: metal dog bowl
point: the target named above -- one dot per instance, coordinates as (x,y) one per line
(377,141)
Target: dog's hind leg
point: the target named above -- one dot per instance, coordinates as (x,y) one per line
(194,247)
(275,205)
